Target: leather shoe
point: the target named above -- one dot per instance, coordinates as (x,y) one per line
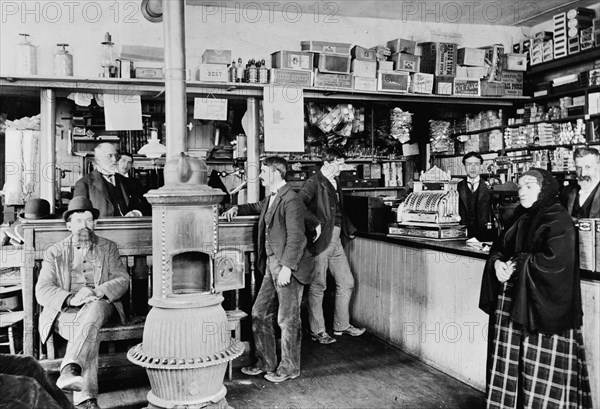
(253,371)
(323,338)
(88,404)
(352,331)
(279,377)
(70,378)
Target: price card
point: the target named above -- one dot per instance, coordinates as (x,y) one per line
(210,108)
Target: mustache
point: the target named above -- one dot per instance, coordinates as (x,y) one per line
(584,178)
(85,235)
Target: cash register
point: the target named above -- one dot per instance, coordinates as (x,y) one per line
(431,210)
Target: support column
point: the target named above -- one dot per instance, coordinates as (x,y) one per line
(46,171)
(175,81)
(250,124)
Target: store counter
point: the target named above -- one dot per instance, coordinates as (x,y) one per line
(422,296)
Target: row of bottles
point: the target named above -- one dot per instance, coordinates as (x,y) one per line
(254,72)
(27,61)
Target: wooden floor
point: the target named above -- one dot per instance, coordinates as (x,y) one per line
(360,372)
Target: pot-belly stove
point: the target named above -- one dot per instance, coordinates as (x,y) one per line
(186,343)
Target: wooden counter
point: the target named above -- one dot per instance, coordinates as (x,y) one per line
(422,296)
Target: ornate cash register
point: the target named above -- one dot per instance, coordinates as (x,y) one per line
(431,210)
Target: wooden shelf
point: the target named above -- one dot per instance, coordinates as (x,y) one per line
(525,148)
(374,188)
(580,57)
(155,88)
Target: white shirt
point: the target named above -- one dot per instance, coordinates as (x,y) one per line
(274,189)
(474,183)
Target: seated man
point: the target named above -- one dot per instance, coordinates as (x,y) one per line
(110,192)
(80,284)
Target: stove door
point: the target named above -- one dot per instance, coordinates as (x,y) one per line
(229,270)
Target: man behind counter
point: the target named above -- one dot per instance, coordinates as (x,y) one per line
(475,201)
(583,201)
(109,191)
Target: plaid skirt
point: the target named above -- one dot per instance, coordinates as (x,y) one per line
(533,370)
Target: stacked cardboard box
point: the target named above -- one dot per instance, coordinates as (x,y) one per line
(214,66)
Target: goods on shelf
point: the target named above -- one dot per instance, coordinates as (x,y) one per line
(439,136)
(561,160)
(400,124)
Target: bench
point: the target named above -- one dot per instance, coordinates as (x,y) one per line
(134,240)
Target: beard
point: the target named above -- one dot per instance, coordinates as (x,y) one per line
(84,237)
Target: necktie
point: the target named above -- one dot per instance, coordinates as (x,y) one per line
(471,186)
(110,178)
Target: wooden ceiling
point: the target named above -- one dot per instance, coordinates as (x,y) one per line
(497,12)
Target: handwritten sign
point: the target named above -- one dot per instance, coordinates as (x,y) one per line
(123,112)
(210,108)
(284,119)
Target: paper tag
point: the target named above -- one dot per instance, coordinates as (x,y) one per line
(210,108)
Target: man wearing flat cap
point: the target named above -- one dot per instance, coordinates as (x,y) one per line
(80,285)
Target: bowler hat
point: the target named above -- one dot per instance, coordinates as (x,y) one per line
(80,204)
(36,209)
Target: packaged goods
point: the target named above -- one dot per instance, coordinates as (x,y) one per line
(216,56)
(364,68)
(325,47)
(213,73)
(363,54)
(396,81)
(405,62)
(439,58)
(473,57)
(292,60)
(421,83)
(365,83)
(333,63)
(467,87)
(401,45)
(329,80)
(281,76)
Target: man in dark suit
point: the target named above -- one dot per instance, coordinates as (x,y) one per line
(108,190)
(323,196)
(286,264)
(583,201)
(475,207)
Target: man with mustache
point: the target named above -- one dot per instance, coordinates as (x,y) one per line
(110,192)
(287,266)
(583,201)
(80,285)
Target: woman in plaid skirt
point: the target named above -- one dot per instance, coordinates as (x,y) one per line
(531,291)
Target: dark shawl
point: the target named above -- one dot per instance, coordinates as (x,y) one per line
(546,290)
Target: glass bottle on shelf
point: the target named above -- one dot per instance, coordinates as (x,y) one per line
(63,61)
(26,57)
(239,71)
(108,62)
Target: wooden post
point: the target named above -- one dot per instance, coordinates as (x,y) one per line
(46,171)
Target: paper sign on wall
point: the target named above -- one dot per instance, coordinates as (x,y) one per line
(123,112)
(284,119)
(210,108)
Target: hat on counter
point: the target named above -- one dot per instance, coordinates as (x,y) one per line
(36,209)
(80,204)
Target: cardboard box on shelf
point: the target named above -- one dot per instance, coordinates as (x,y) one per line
(405,62)
(292,60)
(148,72)
(213,73)
(443,85)
(332,80)
(333,63)
(385,66)
(514,62)
(363,54)
(395,81)
(364,68)
(421,83)
(216,57)
(365,83)
(402,45)
(492,88)
(325,47)
(467,87)
(281,76)
(439,58)
(473,57)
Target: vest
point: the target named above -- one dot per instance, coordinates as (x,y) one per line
(583,212)
(116,197)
